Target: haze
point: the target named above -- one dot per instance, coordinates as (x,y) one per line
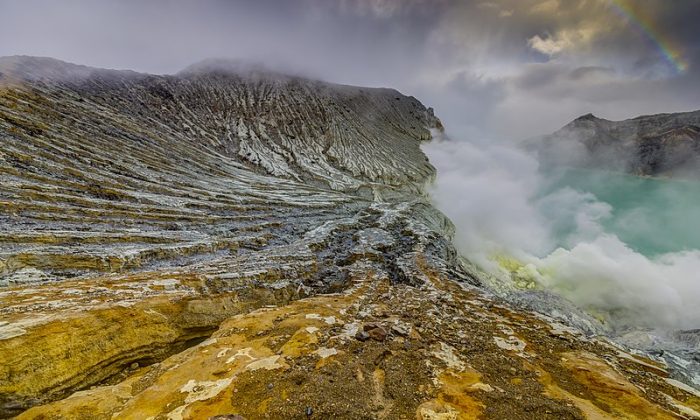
(492,69)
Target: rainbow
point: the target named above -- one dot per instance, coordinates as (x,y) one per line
(647,27)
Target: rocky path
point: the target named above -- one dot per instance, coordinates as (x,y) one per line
(384,350)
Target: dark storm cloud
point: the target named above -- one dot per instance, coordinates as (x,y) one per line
(508,68)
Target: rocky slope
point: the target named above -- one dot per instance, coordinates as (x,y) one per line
(664,144)
(230,241)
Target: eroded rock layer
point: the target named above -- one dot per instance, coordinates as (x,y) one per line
(229,241)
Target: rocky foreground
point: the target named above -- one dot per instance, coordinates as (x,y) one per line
(233,242)
(652,145)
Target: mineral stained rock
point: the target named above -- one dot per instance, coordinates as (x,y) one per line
(210,245)
(652,145)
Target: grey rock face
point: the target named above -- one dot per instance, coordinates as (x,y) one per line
(217,167)
(212,183)
(664,144)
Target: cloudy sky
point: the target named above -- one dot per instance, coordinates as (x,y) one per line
(492,69)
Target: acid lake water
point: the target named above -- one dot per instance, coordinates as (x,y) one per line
(652,216)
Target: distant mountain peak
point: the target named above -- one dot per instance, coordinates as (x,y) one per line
(661,144)
(588,116)
(47,69)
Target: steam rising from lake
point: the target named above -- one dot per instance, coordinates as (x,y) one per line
(545,231)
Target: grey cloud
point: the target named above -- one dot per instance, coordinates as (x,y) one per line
(469,59)
(587,72)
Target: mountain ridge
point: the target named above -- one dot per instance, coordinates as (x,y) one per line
(213,245)
(666,144)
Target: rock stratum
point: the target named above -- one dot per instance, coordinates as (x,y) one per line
(652,145)
(229,241)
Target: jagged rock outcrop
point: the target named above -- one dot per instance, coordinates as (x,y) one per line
(234,241)
(663,144)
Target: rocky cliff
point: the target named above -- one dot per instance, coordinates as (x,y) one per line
(230,242)
(654,145)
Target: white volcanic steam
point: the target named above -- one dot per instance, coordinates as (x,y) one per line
(492,194)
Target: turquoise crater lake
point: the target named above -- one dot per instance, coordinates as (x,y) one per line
(652,216)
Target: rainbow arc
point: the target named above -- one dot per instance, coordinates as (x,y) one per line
(646,26)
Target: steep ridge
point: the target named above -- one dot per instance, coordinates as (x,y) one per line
(230,240)
(139,159)
(663,144)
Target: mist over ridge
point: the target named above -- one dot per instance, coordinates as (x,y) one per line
(475,62)
(350,209)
